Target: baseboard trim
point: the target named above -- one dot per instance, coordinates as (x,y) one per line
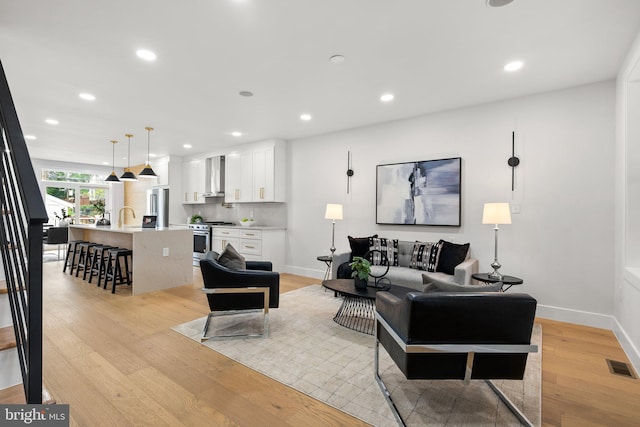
(629,348)
(585,318)
(307,272)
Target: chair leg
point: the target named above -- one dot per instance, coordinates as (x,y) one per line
(251,290)
(383,387)
(514,410)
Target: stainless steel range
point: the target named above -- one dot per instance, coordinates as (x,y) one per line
(202,238)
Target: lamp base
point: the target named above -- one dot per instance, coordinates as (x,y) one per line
(495,274)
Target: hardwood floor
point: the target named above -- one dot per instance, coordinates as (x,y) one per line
(116,361)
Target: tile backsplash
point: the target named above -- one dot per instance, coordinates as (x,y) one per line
(265,214)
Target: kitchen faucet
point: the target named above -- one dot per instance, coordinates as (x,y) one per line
(120,214)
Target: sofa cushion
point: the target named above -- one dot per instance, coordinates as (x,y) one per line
(424,256)
(433,283)
(231,259)
(359,245)
(451,254)
(387,246)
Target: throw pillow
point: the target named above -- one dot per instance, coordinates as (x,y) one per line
(231,259)
(212,255)
(387,246)
(359,246)
(451,254)
(434,284)
(425,256)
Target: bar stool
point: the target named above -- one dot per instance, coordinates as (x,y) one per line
(83,257)
(114,268)
(72,250)
(98,262)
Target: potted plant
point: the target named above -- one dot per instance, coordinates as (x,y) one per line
(62,220)
(100,208)
(361,268)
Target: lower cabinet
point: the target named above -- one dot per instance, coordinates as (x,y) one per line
(254,244)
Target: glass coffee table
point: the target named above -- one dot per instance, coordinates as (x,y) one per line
(357,311)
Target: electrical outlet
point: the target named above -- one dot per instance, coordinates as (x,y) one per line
(165,251)
(515,208)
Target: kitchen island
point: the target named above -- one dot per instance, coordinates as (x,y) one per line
(162,258)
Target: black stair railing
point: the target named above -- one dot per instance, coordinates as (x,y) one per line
(21,218)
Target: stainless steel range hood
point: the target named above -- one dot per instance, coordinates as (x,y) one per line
(215,181)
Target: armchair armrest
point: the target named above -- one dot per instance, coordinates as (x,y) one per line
(463,271)
(392,308)
(223,277)
(260,265)
(338,259)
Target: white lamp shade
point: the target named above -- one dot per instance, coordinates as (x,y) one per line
(496,213)
(333,211)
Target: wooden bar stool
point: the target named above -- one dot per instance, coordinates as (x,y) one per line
(83,257)
(98,261)
(70,259)
(114,268)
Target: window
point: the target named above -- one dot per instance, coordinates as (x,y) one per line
(83,198)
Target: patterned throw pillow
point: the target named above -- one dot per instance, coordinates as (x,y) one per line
(387,246)
(425,256)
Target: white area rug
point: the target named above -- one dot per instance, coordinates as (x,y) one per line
(309,352)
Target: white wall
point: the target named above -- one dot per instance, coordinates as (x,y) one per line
(561,243)
(627,200)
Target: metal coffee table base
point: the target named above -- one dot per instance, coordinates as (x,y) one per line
(357,313)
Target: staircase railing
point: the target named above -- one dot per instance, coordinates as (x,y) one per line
(21,218)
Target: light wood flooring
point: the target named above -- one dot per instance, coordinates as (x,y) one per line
(116,361)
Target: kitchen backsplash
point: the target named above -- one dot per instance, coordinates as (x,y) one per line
(265,214)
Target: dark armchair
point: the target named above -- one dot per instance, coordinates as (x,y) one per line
(233,291)
(56,236)
(463,336)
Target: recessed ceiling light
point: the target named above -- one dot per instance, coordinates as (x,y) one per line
(52,121)
(498,3)
(147,55)
(513,66)
(236,133)
(245,93)
(305,117)
(187,145)
(87,96)
(336,59)
(387,97)
(29,137)
(105,163)
(153,155)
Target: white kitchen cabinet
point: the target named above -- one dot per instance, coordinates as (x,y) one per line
(238,177)
(257,174)
(194,181)
(253,243)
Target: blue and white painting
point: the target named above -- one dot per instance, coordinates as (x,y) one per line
(419,193)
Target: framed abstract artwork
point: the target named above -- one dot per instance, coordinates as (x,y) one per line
(426,192)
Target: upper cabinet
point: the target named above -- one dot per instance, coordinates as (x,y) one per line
(194,179)
(257,173)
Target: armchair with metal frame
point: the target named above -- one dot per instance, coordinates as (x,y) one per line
(239,291)
(465,336)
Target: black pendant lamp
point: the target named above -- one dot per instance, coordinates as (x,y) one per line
(128,175)
(113,177)
(147,172)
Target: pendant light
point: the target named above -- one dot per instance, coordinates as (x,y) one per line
(147,172)
(113,177)
(128,175)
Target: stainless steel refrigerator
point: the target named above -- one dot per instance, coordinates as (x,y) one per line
(158,205)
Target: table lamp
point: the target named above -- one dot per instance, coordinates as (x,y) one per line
(496,213)
(333,212)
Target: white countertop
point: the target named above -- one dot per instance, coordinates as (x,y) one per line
(253,227)
(126,229)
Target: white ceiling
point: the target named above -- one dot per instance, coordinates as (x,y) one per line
(433,55)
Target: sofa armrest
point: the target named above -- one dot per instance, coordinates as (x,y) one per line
(463,271)
(338,259)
